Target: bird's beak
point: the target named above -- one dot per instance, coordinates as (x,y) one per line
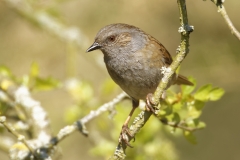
(93,47)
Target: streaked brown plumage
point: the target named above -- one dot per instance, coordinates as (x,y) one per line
(134,60)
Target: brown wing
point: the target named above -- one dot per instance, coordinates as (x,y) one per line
(166,57)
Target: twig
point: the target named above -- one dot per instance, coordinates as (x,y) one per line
(48,23)
(71,35)
(80,124)
(222,10)
(180,125)
(20,137)
(182,51)
(37,118)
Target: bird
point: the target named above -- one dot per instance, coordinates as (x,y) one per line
(134,60)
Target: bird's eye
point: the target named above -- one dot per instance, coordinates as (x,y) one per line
(111,38)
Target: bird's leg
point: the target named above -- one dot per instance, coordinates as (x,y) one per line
(125,133)
(150,103)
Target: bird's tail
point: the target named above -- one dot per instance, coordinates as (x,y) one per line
(181,80)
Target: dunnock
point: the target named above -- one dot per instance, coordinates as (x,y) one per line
(134,60)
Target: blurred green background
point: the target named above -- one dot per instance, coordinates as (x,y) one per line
(214,58)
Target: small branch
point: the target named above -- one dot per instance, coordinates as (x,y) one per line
(35,111)
(36,119)
(48,23)
(180,125)
(137,124)
(20,137)
(71,35)
(80,124)
(182,51)
(222,10)
(185,29)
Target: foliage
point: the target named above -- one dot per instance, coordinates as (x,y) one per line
(180,110)
(183,109)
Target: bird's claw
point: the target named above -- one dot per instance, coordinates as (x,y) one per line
(150,103)
(125,135)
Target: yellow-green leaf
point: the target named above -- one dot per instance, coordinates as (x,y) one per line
(5,71)
(34,71)
(216,94)
(202,93)
(190,137)
(186,89)
(46,84)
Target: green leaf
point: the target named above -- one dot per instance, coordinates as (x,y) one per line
(81,91)
(5,71)
(3,108)
(6,83)
(202,93)
(201,125)
(176,118)
(165,109)
(186,89)
(34,71)
(25,80)
(193,112)
(171,97)
(216,94)
(190,137)
(207,92)
(195,123)
(46,83)
(72,114)
(195,108)
(177,106)
(199,104)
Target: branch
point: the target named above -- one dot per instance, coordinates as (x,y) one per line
(71,35)
(80,124)
(182,51)
(48,23)
(180,125)
(20,98)
(20,137)
(222,10)
(43,144)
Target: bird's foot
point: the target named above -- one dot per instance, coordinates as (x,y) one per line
(125,135)
(150,104)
